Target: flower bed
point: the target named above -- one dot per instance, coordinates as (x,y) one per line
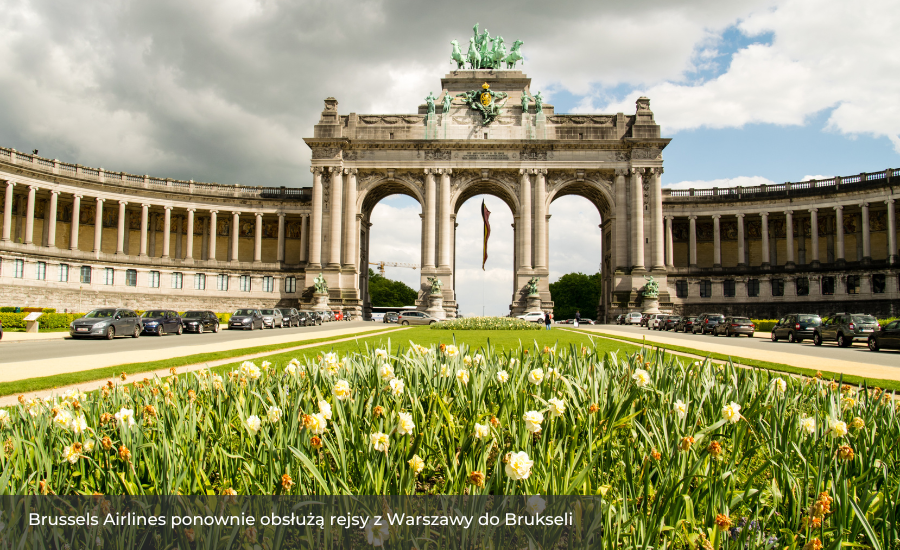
(680,451)
(486,323)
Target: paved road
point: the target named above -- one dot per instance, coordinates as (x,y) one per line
(14,352)
(858,353)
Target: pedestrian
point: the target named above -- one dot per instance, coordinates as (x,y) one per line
(548,318)
(577,317)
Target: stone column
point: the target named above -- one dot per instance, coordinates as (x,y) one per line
(304,238)
(29,215)
(742,246)
(446,229)
(670,243)
(235,236)
(257,241)
(428,231)
(789,237)
(76,215)
(179,224)
(621,244)
(350,232)
(814,236)
(189,243)
(540,215)
(145,214)
(766,257)
(657,260)
(154,228)
(167,230)
(717,241)
(839,230)
(692,260)
(892,232)
(7,211)
(525,257)
(98,227)
(279,257)
(51,226)
(120,234)
(315,232)
(637,220)
(866,234)
(204,239)
(213,231)
(337,196)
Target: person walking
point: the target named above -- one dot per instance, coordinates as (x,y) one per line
(577,318)
(547,320)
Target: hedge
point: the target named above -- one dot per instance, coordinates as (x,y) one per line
(47,320)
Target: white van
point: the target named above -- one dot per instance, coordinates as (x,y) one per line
(633,318)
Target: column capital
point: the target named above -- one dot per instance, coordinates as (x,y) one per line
(889,202)
(692,217)
(101,199)
(281,214)
(813,210)
(258,214)
(864,204)
(740,215)
(788,212)
(213,211)
(33,187)
(316,170)
(716,216)
(10,183)
(123,203)
(523,171)
(55,192)
(764,214)
(838,208)
(540,171)
(169,207)
(621,172)
(235,213)
(670,218)
(658,170)
(191,209)
(144,205)
(77,196)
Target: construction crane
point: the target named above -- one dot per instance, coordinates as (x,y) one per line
(382,265)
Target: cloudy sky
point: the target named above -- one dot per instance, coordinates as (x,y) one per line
(751,91)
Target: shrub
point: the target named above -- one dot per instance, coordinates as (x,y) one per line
(764,325)
(47,320)
(486,323)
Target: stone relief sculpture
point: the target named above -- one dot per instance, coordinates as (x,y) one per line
(436,285)
(320,285)
(532,286)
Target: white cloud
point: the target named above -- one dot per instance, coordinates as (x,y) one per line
(742,181)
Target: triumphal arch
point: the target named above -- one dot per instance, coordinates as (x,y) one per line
(487,132)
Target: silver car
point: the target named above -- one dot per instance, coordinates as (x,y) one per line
(416,318)
(272,318)
(107,323)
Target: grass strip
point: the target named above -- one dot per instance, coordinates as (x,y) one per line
(890,385)
(58,380)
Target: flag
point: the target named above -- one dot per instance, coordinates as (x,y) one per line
(485,214)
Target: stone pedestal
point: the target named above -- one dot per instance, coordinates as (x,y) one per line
(436,306)
(650,305)
(431,126)
(533,303)
(320,301)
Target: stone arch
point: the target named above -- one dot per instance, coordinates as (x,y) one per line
(375,191)
(592,190)
(485,186)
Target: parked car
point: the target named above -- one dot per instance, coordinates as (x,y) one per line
(327,316)
(886,338)
(707,322)
(644,319)
(200,321)
(670,323)
(844,328)
(534,317)
(307,318)
(312,317)
(272,318)
(1,330)
(291,316)
(796,327)
(245,319)
(686,324)
(348,315)
(161,322)
(107,323)
(390,317)
(633,318)
(653,320)
(338,315)
(416,318)
(735,326)
(620,320)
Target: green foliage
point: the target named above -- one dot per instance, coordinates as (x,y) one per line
(575,292)
(384,292)
(7,309)
(487,323)
(46,321)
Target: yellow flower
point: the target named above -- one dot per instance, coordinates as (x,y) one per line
(379,441)
(681,409)
(451,350)
(808,425)
(286,482)
(406,423)
(779,385)
(502,376)
(533,421)
(381,353)
(686,443)
(845,452)
(71,454)
(253,424)
(274,414)
(316,423)
(536,376)
(858,423)
(463,376)
(396,387)
(482,431)
(417,464)
(445,371)
(839,428)
(341,390)
(325,409)
(467,360)
(731,412)
(518,465)
(386,372)
(557,406)
(641,378)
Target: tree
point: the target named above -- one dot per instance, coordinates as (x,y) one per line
(384,292)
(575,292)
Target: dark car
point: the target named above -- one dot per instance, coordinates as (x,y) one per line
(707,322)
(291,316)
(735,326)
(312,317)
(1,330)
(844,328)
(161,322)
(348,315)
(670,323)
(620,320)
(200,321)
(796,327)
(886,338)
(246,319)
(645,318)
(686,324)
(107,323)
(390,317)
